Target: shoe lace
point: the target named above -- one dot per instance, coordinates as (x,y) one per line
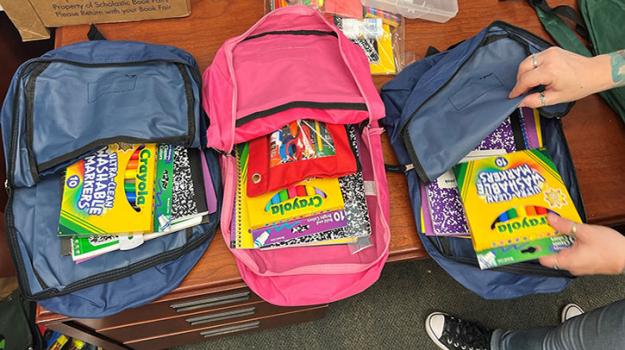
(466,335)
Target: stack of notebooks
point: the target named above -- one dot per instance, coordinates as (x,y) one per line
(301,211)
(499,196)
(126,194)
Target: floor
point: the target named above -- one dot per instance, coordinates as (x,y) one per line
(390,314)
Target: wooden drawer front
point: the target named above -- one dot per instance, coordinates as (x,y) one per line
(205,334)
(172,308)
(197,320)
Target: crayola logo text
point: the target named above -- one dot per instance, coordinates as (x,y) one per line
(520,224)
(296,204)
(142,184)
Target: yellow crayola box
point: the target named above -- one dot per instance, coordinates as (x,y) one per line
(507,198)
(305,198)
(110,192)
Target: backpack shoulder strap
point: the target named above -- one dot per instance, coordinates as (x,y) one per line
(95,34)
(552,21)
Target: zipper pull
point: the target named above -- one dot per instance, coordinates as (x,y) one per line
(401,168)
(6,185)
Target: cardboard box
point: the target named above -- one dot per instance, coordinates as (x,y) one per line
(25,19)
(32,16)
(57,13)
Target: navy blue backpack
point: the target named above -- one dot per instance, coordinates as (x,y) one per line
(439,109)
(67,104)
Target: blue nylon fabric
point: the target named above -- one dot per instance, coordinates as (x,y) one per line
(119,51)
(82,104)
(37,226)
(138,289)
(40,252)
(99,99)
(472,75)
(90,88)
(14,103)
(412,89)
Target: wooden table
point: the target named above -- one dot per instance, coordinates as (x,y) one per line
(596,137)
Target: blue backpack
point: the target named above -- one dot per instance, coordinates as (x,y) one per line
(67,104)
(439,109)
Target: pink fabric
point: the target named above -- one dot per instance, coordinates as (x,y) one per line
(268,75)
(254,75)
(269,71)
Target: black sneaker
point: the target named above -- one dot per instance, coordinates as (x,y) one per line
(570,311)
(451,333)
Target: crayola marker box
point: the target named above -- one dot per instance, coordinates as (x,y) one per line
(110,192)
(506,200)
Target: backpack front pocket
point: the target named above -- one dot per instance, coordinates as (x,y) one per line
(65,110)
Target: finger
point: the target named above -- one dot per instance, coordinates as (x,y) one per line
(535,101)
(559,223)
(529,80)
(527,65)
(553,261)
(563,259)
(582,231)
(532,101)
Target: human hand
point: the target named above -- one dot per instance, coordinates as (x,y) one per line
(566,76)
(597,250)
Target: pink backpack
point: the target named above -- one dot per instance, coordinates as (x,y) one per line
(293,62)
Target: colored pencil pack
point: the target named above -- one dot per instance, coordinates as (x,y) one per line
(300,150)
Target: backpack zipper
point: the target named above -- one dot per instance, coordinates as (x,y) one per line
(30,94)
(299,104)
(35,168)
(292,32)
(15,251)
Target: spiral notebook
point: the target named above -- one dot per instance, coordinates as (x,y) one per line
(303,199)
(299,231)
(356,212)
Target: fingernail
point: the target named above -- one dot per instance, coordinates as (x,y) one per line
(552,218)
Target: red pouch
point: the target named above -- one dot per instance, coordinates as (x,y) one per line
(300,150)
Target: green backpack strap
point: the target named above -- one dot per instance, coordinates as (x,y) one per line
(553,23)
(603,38)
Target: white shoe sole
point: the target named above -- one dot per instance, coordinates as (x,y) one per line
(565,311)
(430,332)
